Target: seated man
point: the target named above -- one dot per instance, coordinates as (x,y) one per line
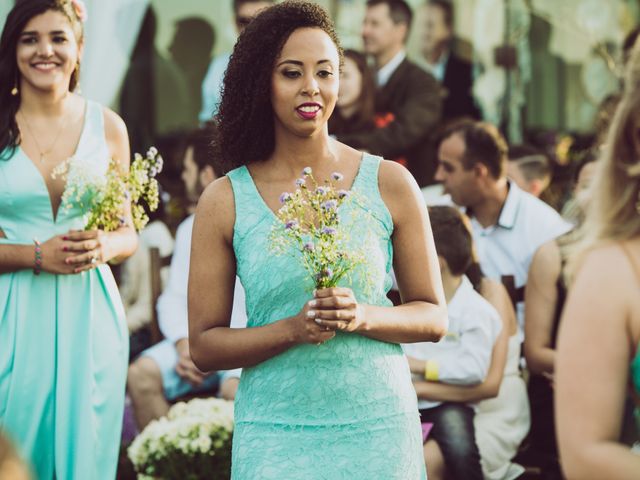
(462,357)
(165,371)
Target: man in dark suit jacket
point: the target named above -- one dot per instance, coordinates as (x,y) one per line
(453,73)
(407,96)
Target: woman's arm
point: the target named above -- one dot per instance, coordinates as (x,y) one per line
(592,367)
(423,315)
(541,297)
(213,345)
(17,257)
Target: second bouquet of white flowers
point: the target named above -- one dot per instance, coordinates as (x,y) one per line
(310,224)
(192,442)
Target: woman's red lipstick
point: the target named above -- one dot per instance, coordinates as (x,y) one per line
(308,111)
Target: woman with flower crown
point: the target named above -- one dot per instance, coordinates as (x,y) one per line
(325,392)
(63,335)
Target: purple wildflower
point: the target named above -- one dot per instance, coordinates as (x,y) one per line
(291,224)
(306,171)
(325,273)
(308,247)
(300,182)
(337,176)
(329,205)
(285,197)
(329,231)
(322,190)
(343,193)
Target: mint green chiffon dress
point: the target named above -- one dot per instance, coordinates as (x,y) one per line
(345,409)
(63,338)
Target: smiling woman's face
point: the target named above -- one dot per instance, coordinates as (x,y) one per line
(47,52)
(304,84)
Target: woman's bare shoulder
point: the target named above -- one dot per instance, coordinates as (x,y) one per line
(114,127)
(546,264)
(216,207)
(394,177)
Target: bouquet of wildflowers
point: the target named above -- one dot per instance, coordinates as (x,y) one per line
(192,442)
(104,196)
(310,224)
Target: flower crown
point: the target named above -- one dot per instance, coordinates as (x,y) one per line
(80,8)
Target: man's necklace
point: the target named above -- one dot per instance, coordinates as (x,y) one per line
(44,153)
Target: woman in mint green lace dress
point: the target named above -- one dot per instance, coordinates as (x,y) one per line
(325,392)
(63,335)
(598,353)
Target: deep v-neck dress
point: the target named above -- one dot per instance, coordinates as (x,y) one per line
(63,338)
(345,409)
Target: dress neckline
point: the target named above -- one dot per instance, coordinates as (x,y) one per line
(265,206)
(54,214)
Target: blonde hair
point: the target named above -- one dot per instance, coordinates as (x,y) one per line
(614,207)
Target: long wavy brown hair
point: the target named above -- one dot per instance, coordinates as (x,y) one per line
(614,206)
(17,19)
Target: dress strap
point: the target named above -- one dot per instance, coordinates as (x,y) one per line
(249,206)
(368,171)
(368,186)
(93,141)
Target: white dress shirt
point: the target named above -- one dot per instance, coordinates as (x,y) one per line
(384,73)
(525,223)
(463,356)
(172,304)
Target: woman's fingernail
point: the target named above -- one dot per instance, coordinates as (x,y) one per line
(313,303)
(318,321)
(311,314)
(64,249)
(65,238)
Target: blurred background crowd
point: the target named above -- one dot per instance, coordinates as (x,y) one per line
(547,75)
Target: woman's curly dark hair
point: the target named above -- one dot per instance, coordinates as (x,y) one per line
(245,119)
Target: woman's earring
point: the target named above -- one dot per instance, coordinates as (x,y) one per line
(76,72)
(14,90)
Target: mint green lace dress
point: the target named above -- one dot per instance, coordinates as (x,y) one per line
(63,338)
(345,409)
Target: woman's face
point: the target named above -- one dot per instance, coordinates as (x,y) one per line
(47,52)
(350,84)
(304,84)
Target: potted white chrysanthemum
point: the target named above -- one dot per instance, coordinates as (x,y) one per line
(192,442)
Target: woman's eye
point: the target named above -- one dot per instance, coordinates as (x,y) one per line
(291,73)
(59,39)
(27,40)
(325,73)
